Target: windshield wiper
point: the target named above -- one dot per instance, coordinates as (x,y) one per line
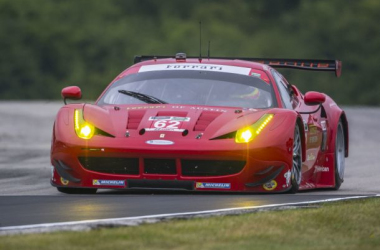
(142,97)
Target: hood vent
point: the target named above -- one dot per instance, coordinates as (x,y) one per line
(205,119)
(134,118)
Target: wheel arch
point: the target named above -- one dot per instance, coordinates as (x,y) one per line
(300,124)
(343,118)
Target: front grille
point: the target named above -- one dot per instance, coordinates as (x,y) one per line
(160,166)
(161,184)
(111,165)
(211,167)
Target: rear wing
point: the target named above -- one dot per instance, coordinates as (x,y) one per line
(305,64)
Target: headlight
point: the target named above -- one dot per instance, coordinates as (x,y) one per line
(83,129)
(247,134)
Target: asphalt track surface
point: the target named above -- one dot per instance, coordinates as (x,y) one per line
(26,196)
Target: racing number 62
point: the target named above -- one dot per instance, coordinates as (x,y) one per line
(166,124)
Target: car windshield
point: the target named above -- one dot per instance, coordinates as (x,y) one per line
(190,87)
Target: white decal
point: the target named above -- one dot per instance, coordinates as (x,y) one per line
(174,124)
(287,176)
(160,124)
(323,125)
(308,185)
(165,129)
(197,67)
(169,118)
(97,182)
(166,124)
(305,126)
(209,109)
(318,169)
(159,142)
(213,185)
(310,157)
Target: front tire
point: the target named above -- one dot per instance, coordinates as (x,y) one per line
(77,190)
(339,156)
(296,172)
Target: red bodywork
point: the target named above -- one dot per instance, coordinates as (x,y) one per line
(243,166)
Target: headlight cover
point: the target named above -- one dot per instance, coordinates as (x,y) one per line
(247,134)
(83,129)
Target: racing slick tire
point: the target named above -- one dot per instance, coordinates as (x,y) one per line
(339,156)
(77,190)
(296,173)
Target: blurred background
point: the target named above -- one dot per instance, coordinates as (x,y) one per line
(46,45)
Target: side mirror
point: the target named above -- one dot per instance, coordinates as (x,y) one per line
(312,98)
(71,92)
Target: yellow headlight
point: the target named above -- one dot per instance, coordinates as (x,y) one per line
(83,129)
(245,135)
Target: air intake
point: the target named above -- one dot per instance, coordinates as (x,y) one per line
(205,119)
(134,118)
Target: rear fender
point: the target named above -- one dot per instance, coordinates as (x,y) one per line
(334,116)
(343,118)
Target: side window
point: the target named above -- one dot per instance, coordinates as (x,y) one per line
(286,98)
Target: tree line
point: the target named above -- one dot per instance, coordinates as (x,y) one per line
(46,45)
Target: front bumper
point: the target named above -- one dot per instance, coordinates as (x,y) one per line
(243,170)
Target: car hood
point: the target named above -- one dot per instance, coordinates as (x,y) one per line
(177,120)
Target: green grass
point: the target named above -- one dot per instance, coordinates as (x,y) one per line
(345,225)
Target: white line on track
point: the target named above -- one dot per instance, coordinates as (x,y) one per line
(137,220)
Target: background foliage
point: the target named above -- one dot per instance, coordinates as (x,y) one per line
(46,45)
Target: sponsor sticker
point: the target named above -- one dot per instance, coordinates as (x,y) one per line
(97,182)
(318,169)
(213,185)
(313,130)
(197,67)
(287,176)
(209,109)
(308,185)
(256,74)
(269,186)
(313,139)
(310,157)
(305,126)
(64,181)
(165,129)
(167,123)
(169,118)
(159,142)
(146,107)
(323,125)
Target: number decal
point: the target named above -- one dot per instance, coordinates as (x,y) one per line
(174,124)
(166,124)
(160,124)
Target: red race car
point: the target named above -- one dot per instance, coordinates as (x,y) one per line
(212,124)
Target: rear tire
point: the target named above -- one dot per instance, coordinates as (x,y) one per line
(296,171)
(77,190)
(340,148)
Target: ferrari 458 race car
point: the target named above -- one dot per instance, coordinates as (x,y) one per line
(212,124)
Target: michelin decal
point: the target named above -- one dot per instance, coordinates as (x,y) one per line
(213,185)
(118,183)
